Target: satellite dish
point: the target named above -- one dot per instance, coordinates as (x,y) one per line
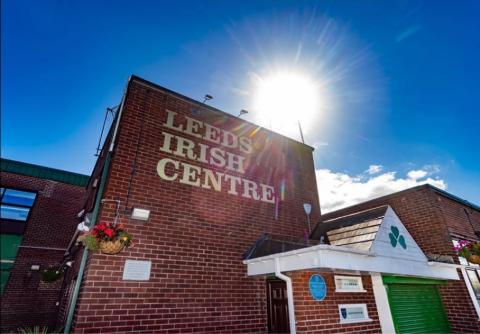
(307,207)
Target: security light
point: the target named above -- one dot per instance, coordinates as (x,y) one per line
(242,112)
(140,214)
(207,98)
(308,208)
(82,227)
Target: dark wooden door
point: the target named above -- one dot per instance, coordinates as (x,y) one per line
(277,307)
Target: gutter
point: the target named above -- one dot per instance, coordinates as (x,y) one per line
(95,214)
(291,306)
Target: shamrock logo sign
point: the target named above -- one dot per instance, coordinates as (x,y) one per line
(396,237)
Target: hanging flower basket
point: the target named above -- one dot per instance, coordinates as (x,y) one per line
(470,250)
(111,247)
(51,274)
(474,259)
(108,238)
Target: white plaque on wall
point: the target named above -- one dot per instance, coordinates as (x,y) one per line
(135,270)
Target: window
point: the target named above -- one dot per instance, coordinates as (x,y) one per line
(471,276)
(16,204)
(474,278)
(350,313)
(9,244)
(348,284)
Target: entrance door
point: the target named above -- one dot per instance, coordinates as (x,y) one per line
(416,306)
(277,307)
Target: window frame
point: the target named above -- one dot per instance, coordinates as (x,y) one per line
(338,287)
(466,279)
(30,207)
(352,321)
(476,272)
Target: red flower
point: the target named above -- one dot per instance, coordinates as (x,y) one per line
(108,232)
(101,226)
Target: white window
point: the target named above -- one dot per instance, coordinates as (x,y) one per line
(471,277)
(350,313)
(348,284)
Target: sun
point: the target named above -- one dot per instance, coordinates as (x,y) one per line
(285,98)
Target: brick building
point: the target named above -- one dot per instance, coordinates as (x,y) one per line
(216,206)
(212,183)
(38,217)
(436,220)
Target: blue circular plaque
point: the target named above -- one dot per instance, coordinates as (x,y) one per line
(318,288)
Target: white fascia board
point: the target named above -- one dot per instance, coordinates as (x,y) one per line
(344,258)
(311,249)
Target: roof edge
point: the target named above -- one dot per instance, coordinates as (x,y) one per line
(134,77)
(386,206)
(454,197)
(42,172)
(426,185)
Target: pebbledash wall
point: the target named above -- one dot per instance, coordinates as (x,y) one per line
(435,218)
(213,184)
(41,240)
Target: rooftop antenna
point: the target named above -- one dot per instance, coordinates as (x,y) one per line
(207,98)
(108,111)
(301,134)
(242,112)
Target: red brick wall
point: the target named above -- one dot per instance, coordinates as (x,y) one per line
(26,300)
(418,210)
(322,316)
(195,237)
(460,220)
(434,220)
(459,306)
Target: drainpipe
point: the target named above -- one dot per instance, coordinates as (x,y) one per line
(96,210)
(291,307)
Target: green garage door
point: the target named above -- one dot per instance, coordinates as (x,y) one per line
(416,305)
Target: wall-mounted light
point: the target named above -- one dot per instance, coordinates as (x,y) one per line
(140,214)
(207,97)
(82,227)
(308,209)
(242,112)
(35,267)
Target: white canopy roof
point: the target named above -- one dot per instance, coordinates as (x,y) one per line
(393,251)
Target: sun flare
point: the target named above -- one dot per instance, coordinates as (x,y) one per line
(284,98)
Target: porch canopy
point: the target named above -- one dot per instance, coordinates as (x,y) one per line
(372,241)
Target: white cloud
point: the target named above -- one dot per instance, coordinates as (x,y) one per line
(338,190)
(319,144)
(416,174)
(374,169)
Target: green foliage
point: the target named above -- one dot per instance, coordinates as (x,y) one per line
(90,242)
(51,274)
(33,330)
(125,238)
(466,249)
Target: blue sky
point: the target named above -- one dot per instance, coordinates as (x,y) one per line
(399,78)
